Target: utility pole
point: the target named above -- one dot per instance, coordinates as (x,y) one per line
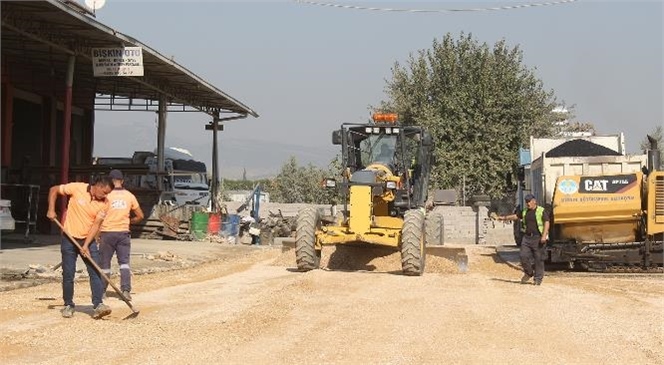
(216,126)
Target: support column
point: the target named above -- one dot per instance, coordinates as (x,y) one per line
(53,131)
(161,139)
(8,119)
(215,164)
(66,130)
(88,144)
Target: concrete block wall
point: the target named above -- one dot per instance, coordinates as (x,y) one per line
(460,224)
(470,226)
(499,233)
(463,225)
(288,210)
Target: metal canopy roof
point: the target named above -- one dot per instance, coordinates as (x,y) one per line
(43,34)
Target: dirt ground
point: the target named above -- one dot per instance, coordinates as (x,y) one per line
(254,308)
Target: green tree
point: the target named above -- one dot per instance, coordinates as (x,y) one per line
(243,184)
(561,117)
(658,135)
(299,184)
(480,104)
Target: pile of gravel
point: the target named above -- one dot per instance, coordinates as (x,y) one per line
(580,148)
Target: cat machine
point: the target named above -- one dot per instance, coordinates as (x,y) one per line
(383,189)
(610,222)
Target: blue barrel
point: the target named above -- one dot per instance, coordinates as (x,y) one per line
(231,225)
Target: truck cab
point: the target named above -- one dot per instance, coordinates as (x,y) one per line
(185,182)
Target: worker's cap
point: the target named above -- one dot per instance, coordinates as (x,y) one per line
(115,175)
(529,197)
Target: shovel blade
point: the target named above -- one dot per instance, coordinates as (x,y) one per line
(132,315)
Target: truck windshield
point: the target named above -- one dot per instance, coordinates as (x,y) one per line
(189,179)
(378,148)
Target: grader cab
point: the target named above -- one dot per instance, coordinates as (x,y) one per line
(383,189)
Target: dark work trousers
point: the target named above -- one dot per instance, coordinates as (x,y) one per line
(118,243)
(69,256)
(531,253)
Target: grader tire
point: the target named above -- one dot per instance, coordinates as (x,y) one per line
(435,228)
(306,255)
(412,243)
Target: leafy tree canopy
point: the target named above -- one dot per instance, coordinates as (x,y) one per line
(300,184)
(480,104)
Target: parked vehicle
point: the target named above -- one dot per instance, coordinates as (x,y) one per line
(611,221)
(185,181)
(555,157)
(383,190)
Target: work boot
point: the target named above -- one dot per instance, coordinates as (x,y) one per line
(102,310)
(127,294)
(525,278)
(67,312)
(538,281)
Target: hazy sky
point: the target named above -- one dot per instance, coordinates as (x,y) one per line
(306,69)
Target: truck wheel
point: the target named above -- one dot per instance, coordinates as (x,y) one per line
(412,243)
(306,255)
(435,228)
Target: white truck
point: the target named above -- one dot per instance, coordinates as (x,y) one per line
(186,181)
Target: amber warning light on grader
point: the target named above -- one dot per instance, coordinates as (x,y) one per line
(385,117)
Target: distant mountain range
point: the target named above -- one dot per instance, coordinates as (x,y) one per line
(263,159)
(260,158)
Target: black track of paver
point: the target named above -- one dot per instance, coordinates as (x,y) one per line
(580,148)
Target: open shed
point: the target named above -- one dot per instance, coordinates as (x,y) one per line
(50,94)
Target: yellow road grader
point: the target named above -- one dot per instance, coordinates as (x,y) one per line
(383,188)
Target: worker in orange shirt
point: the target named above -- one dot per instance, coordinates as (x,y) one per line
(115,234)
(85,211)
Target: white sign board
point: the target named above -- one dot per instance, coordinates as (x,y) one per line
(120,61)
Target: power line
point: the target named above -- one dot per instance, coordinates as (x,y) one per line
(506,7)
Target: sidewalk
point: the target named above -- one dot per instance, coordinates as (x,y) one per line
(25,264)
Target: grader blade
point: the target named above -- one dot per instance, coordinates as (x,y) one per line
(455,254)
(287,245)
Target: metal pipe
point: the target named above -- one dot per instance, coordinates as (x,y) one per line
(66,130)
(8,94)
(161,139)
(653,155)
(215,156)
(215,167)
(612,246)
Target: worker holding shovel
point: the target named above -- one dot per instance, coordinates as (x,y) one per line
(115,234)
(85,211)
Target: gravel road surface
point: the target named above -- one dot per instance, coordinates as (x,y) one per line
(252,307)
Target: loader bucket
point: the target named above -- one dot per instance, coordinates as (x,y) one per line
(455,254)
